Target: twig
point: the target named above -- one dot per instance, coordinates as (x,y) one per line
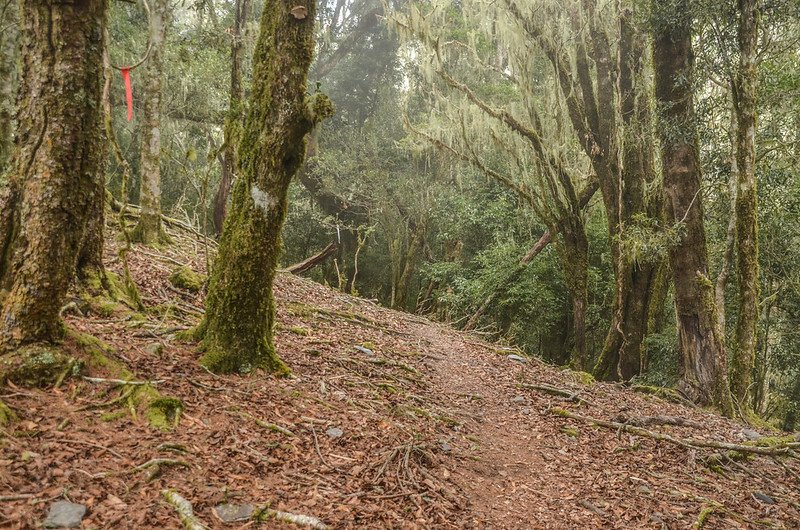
(18,497)
(90,444)
(316,446)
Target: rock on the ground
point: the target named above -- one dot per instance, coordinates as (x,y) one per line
(763,497)
(64,514)
(519,399)
(233,513)
(334,432)
(364,350)
(751,435)
(517,358)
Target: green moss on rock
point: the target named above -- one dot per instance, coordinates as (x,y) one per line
(186,278)
(7,415)
(164,412)
(35,365)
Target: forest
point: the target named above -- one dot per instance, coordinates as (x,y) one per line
(400,263)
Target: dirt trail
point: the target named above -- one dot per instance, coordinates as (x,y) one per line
(524,467)
(394,421)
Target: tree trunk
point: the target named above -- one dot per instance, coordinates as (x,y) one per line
(57,160)
(149,229)
(233,121)
(745,89)
(703,368)
(574,251)
(9,51)
(240,309)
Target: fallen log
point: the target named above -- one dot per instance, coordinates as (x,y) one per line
(309,263)
(777,450)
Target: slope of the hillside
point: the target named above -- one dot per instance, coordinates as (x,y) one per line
(389,421)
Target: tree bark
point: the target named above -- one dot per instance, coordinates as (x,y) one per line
(745,89)
(703,368)
(57,160)
(240,309)
(149,229)
(233,121)
(9,52)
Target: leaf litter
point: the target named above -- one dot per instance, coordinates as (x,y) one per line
(432,428)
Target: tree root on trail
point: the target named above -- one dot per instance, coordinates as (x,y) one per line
(266,513)
(667,394)
(641,421)
(120,381)
(554,391)
(777,450)
(184,509)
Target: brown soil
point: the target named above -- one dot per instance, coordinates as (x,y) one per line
(437,432)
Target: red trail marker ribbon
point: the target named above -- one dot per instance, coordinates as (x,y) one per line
(126,77)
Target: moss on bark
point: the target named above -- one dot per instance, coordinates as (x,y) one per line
(57,157)
(240,309)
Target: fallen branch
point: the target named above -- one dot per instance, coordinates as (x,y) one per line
(121,381)
(779,450)
(274,427)
(184,509)
(555,391)
(19,497)
(266,513)
(309,263)
(641,421)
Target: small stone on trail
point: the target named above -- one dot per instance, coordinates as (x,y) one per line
(751,435)
(64,514)
(517,358)
(766,499)
(232,513)
(154,348)
(362,349)
(334,432)
(519,399)
(445,446)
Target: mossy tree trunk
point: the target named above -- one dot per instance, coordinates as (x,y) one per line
(745,88)
(9,52)
(57,159)
(240,309)
(149,229)
(573,249)
(704,365)
(233,121)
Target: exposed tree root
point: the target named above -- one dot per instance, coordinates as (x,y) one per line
(266,513)
(554,391)
(667,394)
(777,450)
(641,421)
(184,509)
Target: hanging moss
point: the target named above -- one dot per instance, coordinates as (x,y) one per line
(186,278)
